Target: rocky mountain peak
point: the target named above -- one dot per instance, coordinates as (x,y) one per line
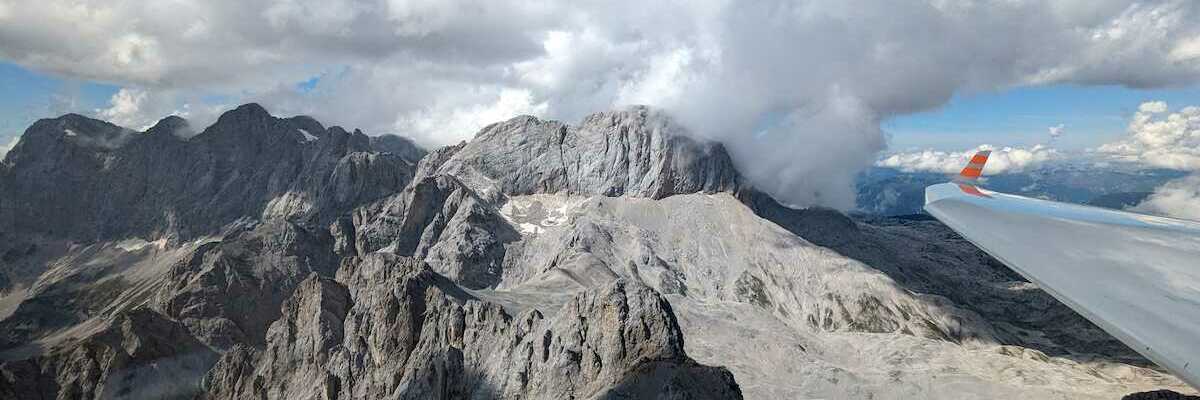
(636,152)
(78,130)
(631,116)
(171,125)
(398,145)
(247,125)
(248,163)
(248,111)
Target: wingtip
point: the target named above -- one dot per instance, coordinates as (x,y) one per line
(974,168)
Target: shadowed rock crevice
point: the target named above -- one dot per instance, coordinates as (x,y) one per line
(1159,395)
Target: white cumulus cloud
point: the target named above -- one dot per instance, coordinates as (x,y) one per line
(1057,130)
(125,109)
(1179,198)
(796,90)
(1002,160)
(1160,138)
(140,109)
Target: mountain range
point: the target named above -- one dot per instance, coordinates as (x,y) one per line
(619,257)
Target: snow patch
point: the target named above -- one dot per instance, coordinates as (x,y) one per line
(532,214)
(135,244)
(70,133)
(389,249)
(308,137)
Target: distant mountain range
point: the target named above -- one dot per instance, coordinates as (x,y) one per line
(891,192)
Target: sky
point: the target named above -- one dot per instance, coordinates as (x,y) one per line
(804,94)
(1089,115)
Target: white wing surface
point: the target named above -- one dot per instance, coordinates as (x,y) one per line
(1135,276)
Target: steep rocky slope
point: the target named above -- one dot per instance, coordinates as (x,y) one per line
(273,257)
(390,328)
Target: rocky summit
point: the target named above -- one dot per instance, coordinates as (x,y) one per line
(616,258)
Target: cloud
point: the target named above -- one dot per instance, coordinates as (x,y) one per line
(1056,131)
(5,148)
(1160,138)
(125,109)
(796,90)
(1179,198)
(140,109)
(1003,160)
(437,123)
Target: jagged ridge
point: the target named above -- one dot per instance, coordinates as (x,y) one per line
(88,180)
(253,205)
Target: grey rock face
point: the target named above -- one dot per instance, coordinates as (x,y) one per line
(448,216)
(440,220)
(140,354)
(411,333)
(257,193)
(227,292)
(635,152)
(89,180)
(264,205)
(433,161)
(311,325)
(712,248)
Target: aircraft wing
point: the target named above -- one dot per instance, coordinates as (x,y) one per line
(1135,276)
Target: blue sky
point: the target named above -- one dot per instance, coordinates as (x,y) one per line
(26,96)
(1092,115)
(1019,117)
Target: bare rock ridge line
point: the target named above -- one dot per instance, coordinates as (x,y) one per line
(635,152)
(265,253)
(266,257)
(89,180)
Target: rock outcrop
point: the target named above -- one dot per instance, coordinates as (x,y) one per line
(228,291)
(398,330)
(440,220)
(634,152)
(139,354)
